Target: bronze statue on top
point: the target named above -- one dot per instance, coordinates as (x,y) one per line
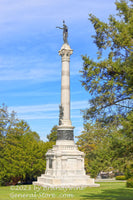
(65,32)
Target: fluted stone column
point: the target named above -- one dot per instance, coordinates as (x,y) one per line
(65,128)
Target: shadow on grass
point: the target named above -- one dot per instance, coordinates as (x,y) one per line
(112,194)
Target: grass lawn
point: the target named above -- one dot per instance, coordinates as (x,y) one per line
(106,191)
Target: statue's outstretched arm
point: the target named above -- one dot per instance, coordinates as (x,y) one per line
(59,27)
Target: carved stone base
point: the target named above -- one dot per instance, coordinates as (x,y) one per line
(65,167)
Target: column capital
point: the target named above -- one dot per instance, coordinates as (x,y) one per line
(65,52)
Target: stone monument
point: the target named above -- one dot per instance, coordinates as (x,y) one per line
(64,162)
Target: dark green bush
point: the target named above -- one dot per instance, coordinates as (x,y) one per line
(130,183)
(120,177)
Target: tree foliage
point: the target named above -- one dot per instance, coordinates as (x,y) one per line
(22,153)
(52,137)
(109,80)
(106,146)
(107,139)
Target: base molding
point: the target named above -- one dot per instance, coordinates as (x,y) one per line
(70,181)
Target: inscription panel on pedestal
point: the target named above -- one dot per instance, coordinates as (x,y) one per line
(65,135)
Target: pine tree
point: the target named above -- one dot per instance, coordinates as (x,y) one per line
(110,80)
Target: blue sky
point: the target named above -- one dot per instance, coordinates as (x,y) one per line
(30,67)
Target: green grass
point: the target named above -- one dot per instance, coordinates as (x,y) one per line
(106,191)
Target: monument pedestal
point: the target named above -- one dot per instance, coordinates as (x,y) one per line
(65,167)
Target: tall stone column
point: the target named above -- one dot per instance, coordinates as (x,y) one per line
(65,128)
(65,163)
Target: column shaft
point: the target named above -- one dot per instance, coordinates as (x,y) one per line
(65,91)
(65,53)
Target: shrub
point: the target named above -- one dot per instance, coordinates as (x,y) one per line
(129,171)
(130,183)
(120,178)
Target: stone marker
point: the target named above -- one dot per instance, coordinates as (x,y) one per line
(64,162)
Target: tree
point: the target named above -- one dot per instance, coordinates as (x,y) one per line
(110,80)
(95,143)
(22,153)
(106,147)
(6,122)
(107,139)
(52,137)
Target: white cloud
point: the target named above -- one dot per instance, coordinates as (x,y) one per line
(37,116)
(46,111)
(33,74)
(34,93)
(29,68)
(47,107)
(17,14)
(35,108)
